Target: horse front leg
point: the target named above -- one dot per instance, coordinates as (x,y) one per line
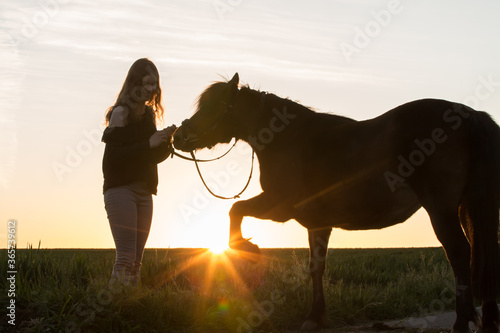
(318,247)
(261,206)
(236,240)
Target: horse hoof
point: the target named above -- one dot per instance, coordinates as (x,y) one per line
(246,248)
(310,325)
(244,245)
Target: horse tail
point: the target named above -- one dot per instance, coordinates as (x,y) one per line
(479,211)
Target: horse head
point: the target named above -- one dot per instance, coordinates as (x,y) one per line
(212,122)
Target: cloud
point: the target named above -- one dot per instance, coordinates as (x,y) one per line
(11,80)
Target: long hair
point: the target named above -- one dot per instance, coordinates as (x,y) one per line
(133,91)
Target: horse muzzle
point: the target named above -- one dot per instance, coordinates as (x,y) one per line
(184,140)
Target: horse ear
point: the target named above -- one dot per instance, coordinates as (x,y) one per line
(235,80)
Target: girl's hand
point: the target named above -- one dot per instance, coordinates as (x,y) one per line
(170,130)
(158,138)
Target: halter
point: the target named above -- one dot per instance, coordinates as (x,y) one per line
(229,109)
(186,123)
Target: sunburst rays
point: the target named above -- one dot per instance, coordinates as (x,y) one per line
(225,281)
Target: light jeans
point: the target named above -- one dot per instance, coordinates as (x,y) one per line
(130,211)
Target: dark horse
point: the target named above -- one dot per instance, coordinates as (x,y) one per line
(328,171)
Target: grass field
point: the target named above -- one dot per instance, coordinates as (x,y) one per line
(187,290)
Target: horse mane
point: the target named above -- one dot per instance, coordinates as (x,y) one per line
(297,103)
(217,87)
(214,89)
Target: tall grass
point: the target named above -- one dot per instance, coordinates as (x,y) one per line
(186,290)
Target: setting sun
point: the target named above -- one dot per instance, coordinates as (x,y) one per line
(218,248)
(209,231)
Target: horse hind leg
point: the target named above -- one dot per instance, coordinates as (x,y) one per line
(481,225)
(318,247)
(490,320)
(448,230)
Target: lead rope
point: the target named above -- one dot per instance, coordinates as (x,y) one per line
(219,196)
(198,160)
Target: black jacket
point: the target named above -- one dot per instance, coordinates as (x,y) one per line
(128,157)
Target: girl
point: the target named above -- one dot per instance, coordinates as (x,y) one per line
(133,149)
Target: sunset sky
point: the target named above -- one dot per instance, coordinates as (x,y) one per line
(62,63)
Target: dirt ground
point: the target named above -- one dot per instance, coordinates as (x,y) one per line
(435,323)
